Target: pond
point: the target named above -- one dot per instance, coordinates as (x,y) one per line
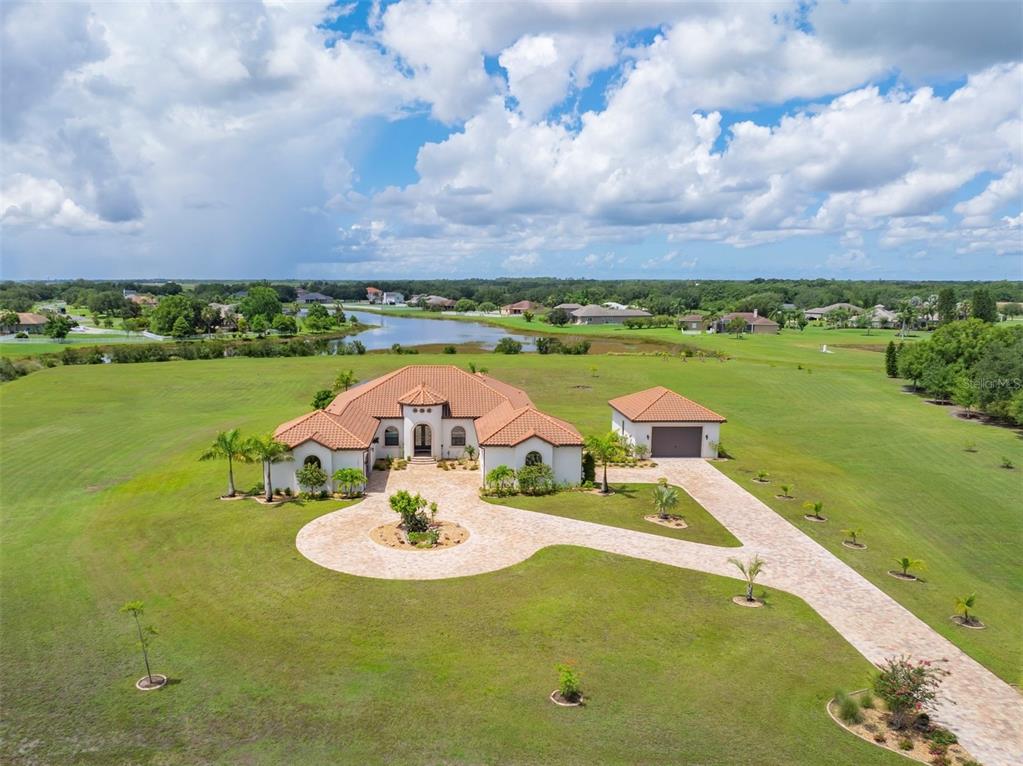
(386,330)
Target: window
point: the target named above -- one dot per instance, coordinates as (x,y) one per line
(534,458)
(313,460)
(457,436)
(390,436)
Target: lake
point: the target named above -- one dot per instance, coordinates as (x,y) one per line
(386,330)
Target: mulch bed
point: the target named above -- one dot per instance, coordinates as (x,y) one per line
(672,522)
(145,685)
(899,576)
(558,699)
(393,536)
(854,546)
(741,601)
(874,729)
(237,496)
(785,497)
(818,519)
(973,624)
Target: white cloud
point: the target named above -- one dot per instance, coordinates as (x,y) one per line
(849,260)
(521,262)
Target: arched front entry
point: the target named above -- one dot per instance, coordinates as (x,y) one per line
(422,440)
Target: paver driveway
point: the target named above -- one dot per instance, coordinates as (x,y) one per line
(977,700)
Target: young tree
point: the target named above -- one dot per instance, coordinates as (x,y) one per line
(905,563)
(229,446)
(666,500)
(907,687)
(410,508)
(259,324)
(815,508)
(786,489)
(528,316)
(750,571)
(146,634)
(605,448)
(58,326)
(891,360)
(311,477)
(285,325)
(736,326)
(181,329)
(964,393)
(851,534)
(351,481)
(322,398)
(266,450)
(344,380)
(963,606)
(558,317)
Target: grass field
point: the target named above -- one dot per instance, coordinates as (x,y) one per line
(626,509)
(276,660)
(281,661)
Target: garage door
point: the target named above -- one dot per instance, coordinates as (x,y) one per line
(676,441)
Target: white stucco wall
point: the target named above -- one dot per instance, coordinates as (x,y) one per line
(385,451)
(565,462)
(283,474)
(640,433)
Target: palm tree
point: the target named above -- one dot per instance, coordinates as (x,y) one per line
(344,380)
(267,450)
(816,507)
(963,606)
(750,571)
(230,445)
(665,500)
(605,448)
(907,563)
(500,478)
(146,634)
(851,535)
(785,489)
(350,480)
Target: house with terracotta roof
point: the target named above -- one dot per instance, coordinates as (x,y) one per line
(374,294)
(692,322)
(520,307)
(667,423)
(28,321)
(594,314)
(425,413)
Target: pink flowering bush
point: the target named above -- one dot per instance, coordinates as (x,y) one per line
(908,688)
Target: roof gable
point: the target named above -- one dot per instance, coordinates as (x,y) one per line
(660,404)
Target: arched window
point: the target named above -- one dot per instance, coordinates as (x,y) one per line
(534,458)
(313,460)
(457,436)
(390,436)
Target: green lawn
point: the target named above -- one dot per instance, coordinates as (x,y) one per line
(626,509)
(276,660)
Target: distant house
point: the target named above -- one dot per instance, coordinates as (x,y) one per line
(306,298)
(437,302)
(126,293)
(816,314)
(27,322)
(392,299)
(882,317)
(692,322)
(594,314)
(54,307)
(615,306)
(143,299)
(224,309)
(755,324)
(374,295)
(568,308)
(519,307)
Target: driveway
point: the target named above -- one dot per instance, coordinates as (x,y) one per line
(499,537)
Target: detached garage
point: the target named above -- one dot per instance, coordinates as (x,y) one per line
(667,423)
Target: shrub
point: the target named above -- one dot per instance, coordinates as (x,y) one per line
(21,334)
(501,480)
(508,346)
(1008,464)
(867,700)
(450,350)
(426,539)
(907,687)
(880,738)
(942,736)
(410,508)
(589,468)
(905,744)
(536,479)
(351,481)
(848,708)
(568,683)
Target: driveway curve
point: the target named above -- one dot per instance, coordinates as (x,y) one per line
(985,712)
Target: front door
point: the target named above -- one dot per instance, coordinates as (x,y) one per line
(422,443)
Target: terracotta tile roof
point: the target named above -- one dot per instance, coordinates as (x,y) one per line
(507,426)
(660,404)
(350,431)
(524,305)
(593,310)
(422,396)
(30,317)
(749,317)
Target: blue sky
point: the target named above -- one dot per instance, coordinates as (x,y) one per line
(415,138)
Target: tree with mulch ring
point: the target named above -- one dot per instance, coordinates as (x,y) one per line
(416,528)
(150,680)
(963,617)
(568,693)
(750,571)
(786,492)
(761,477)
(666,499)
(851,540)
(815,509)
(905,564)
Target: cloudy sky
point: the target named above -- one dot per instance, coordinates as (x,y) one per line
(416,138)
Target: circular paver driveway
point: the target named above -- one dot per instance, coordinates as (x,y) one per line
(983,710)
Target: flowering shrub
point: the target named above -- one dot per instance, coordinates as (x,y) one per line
(907,687)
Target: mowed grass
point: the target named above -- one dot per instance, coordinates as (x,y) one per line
(626,508)
(276,660)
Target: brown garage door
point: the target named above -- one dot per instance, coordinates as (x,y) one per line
(676,441)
